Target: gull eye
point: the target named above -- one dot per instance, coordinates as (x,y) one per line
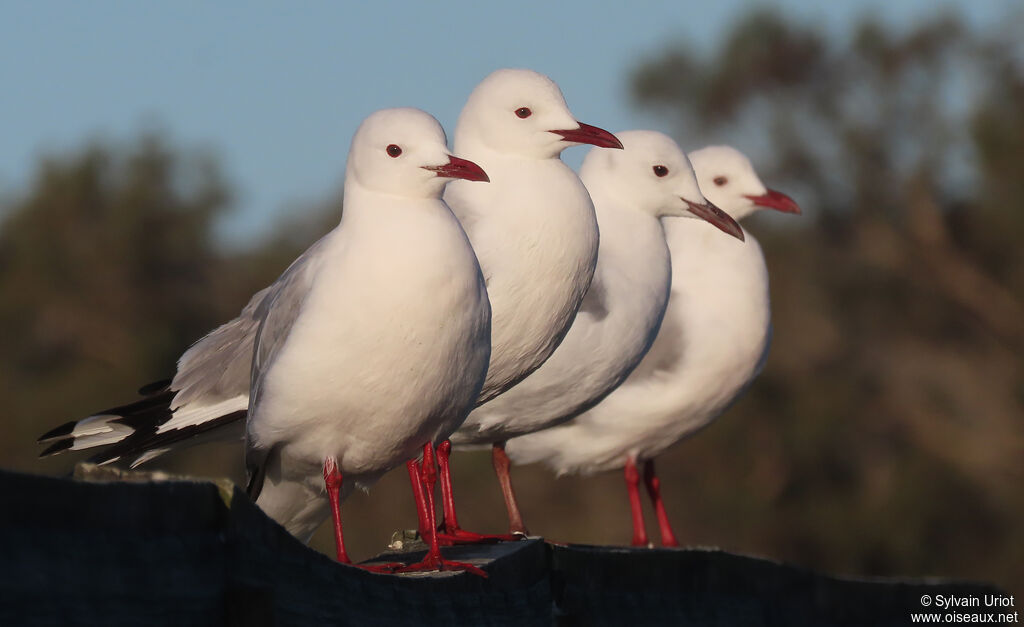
(524,112)
(660,170)
(721,180)
(394,150)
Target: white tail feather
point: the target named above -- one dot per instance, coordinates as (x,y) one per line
(98,430)
(195,414)
(147,456)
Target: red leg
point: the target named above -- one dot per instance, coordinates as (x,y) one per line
(654,491)
(333,480)
(415,478)
(501,468)
(451,521)
(452,533)
(433,560)
(632,485)
(428,475)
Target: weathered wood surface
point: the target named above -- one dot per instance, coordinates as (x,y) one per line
(175,553)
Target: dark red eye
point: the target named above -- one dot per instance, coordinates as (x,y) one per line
(394,150)
(660,170)
(721,180)
(524,112)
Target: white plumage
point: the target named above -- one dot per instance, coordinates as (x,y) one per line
(711,344)
(631,190)
(376,341)
(533,227)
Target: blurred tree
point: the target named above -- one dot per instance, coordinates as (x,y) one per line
(885,435)
(887,432)
(108,271)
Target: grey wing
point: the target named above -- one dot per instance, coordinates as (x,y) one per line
(217,367)
(276,314)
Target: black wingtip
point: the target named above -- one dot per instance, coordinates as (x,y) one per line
(256,469)
(62,431)
(254,485)
(102,458)
(145,437)
(59,447)
(155,387)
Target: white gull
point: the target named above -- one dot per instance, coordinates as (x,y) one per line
(533,227)
(371,346)
(536,237)
(712,343)
(631,189)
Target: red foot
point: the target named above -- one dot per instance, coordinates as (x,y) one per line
(461,536)
(433,559)
(450,533)
(430,563)
(384,569)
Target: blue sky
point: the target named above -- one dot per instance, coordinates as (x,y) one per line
(276,89)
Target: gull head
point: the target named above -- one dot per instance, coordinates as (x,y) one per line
(652,174)
(727,178)
(403,152)
(523,113)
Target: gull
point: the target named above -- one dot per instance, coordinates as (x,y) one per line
(536,237)
(632,190)
(374,344)
(712,343)
(533,227)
